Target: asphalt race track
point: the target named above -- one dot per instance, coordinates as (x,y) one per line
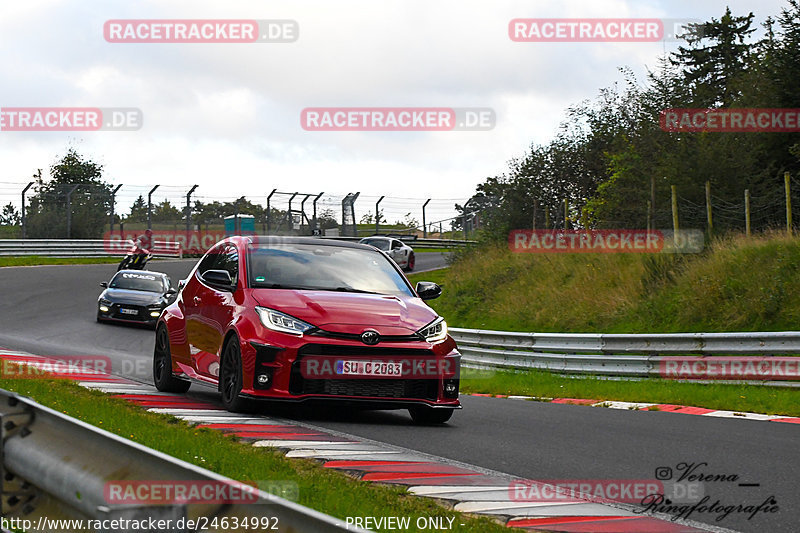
(50,310)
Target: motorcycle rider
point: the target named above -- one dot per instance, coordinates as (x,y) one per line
(143,245)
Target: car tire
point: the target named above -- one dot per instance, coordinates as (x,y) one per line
(230,376)
(427,416)
(162,365)
(411,262)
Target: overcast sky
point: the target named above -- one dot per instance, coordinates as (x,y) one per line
(227,116)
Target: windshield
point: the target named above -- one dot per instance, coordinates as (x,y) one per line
(137,282)
(380,244)
(322,267)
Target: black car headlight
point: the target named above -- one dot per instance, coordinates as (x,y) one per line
(277,321)
(154,310)
(103,305)
(435,331)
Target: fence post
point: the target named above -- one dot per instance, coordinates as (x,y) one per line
(113,202)
(150,207)
(566,213)
(747,212)
(269,211)
(69,210)
(788,187)
(315,222)
(189,210)
(675,226)
(377,215)
(24,226)
(424,224)
(708,209)
(547,217)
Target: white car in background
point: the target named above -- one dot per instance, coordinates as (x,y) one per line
(400,252)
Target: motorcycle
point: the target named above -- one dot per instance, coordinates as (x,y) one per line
(136,258)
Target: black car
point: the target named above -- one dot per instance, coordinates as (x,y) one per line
(135,296)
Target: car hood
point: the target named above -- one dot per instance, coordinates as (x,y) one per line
(348,312)
(126,296)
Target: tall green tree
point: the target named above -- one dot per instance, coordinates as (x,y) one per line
(74,191)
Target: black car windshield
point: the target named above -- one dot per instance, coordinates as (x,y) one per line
(137,282)
(380,244)
(324,267)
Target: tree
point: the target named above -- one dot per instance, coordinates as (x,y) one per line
(165,212)
(138,211)
(76,183)
(10,216)
(714,71)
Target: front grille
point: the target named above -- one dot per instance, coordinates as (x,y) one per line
(423,389)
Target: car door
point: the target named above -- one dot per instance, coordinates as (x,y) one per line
(194,296)
(217,307)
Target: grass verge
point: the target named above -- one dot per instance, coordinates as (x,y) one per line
(33,260)
(749,398)
(326,490)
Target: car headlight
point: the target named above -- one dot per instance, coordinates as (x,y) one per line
(277,321)
(435,331)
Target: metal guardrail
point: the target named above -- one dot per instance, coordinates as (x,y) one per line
(416,243)
(57,467)
(80,248)
(639,355)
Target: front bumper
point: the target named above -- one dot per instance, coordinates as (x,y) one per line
(281,372)
(128,313)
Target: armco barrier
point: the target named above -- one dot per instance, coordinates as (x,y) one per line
(57,467)
(636,355)
(80,248)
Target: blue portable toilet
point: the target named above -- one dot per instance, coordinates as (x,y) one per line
(240,225)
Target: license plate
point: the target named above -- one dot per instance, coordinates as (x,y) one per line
(369,368)
(129,311)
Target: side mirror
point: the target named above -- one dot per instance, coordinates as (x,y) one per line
(428,290)
(104,284)
(181,284)
(219,279)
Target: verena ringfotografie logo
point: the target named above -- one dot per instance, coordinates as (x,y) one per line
(733,368)
(70,119)
(605,241)
(597,30)
(730,120)
(201,31)
(397,119)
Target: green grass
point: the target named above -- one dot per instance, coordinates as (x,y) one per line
(755,399)
(737,284)
(33,260)
(327,490)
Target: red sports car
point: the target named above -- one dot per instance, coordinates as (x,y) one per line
(303,319)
